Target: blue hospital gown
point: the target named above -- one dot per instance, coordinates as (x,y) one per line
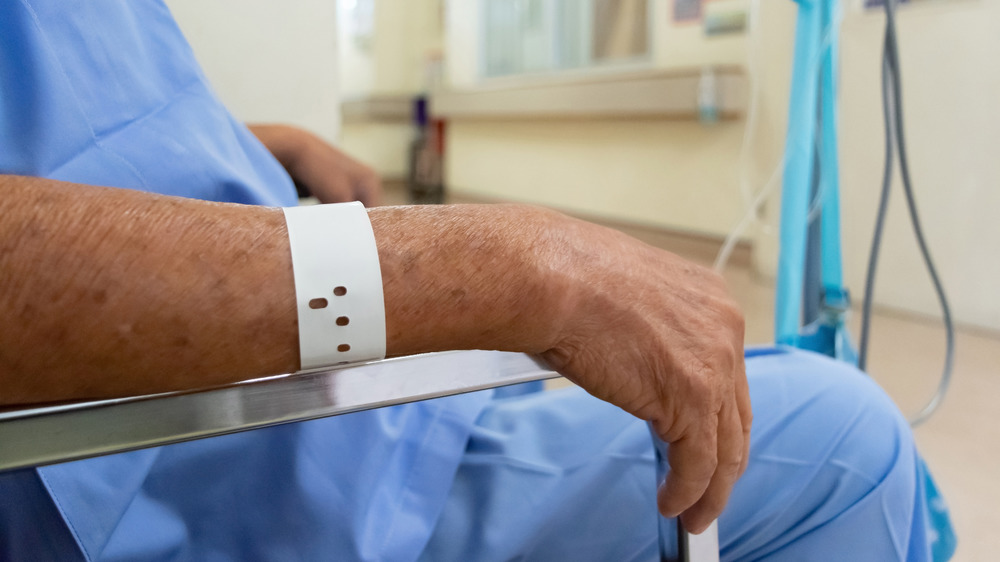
(109,93)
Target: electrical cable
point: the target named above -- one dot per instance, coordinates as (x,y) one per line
(892,107)
(883,206)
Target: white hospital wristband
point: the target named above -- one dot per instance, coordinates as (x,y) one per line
(338,284)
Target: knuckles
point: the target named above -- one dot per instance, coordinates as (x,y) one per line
(729,468)
(705,471)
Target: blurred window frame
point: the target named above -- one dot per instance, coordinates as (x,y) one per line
(563,37)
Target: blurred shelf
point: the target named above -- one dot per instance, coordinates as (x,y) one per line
(641,94)
(378,109)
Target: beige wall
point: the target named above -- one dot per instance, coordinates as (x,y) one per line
(355,47)
(951,87)
(685,45)
(408,31)
(392,60)
(657,172)
(272,61)
(383,146)
(394,63)
(682,175)
(284,62)
(461,46)
(670,173)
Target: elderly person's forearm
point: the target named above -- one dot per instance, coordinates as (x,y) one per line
(113,292)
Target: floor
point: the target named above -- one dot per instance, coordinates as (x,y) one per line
(960,442)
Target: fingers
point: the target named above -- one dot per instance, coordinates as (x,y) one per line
(330,187)
(334,177)
(705,464)
(342,188)
(730,460)
(683,369)
(693,460)
(745,409)
(368,187)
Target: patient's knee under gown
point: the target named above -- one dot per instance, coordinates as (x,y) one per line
(555,475)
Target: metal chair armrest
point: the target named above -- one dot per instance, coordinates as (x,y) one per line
(48,435)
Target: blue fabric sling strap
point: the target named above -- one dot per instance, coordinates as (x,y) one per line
(812,174)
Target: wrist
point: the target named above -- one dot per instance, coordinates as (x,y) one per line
(469,277)
(582,261)
(550,247)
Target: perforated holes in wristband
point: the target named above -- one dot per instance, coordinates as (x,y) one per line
(338,284)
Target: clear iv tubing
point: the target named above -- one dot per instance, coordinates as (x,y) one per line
(752,214)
